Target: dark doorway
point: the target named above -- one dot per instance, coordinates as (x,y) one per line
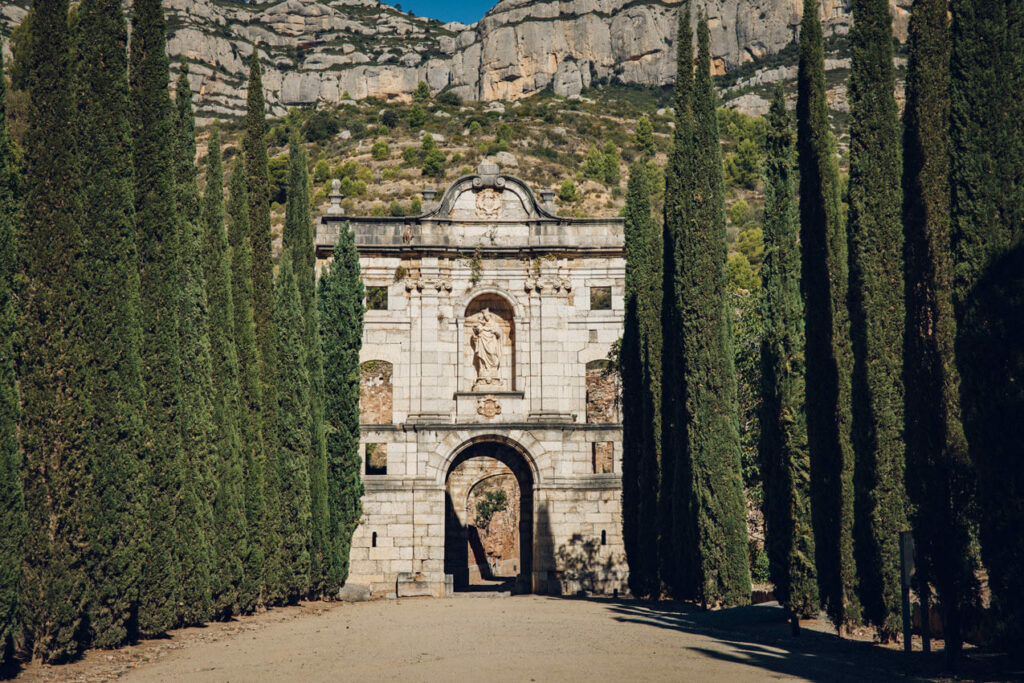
(489,519)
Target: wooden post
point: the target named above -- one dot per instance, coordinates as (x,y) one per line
(907,571)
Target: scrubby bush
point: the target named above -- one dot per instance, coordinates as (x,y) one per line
(422,93)
(435,163)
(380,150)
(417,117)
(567,192)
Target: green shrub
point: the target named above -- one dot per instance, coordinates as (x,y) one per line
(411,155)
(434,164)
(417,117)
(567,192)
(504,133)
(475,129)
(422,93)
(380,150)
(396,209)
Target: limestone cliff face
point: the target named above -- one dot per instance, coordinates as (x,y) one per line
(321,50)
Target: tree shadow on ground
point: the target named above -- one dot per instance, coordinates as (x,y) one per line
(759,636)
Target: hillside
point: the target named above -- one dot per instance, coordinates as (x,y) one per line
(320,51)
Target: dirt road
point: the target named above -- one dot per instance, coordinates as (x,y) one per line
(528,638)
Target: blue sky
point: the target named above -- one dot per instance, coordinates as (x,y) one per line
(466,11)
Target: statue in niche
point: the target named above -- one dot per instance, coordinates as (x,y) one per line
(487,341)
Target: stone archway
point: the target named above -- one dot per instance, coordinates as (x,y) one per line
(489,519)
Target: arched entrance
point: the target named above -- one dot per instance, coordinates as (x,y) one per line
(489,519)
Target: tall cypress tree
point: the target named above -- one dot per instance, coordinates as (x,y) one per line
(158,232)
(258,189)
(12,501)
(116,434)
(877,316)
(340,298)
(824,284)
(674,508)
(55,472)
(197,428)
(298,244)
(785,463)
(260,534)
(987,174)
(230,529)
(712,430)
(293,459)
(939,476)
(640,364)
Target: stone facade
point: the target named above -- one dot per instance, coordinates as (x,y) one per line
(483,372)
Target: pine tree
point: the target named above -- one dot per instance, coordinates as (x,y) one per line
(116,435)
(785,464)
(939,474)
(230,529)
(12,502)
(824,282)
(260,534)
(197,428)
(712,430)
(640,365)
(877,316)
(340,299)
(298,243)
(676,529)
(987,173)
(293,456)
(644,137)
(158,233)
(258,189)
(52,341)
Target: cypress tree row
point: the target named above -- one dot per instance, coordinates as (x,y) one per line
(298,244)
(12,502)
(195,519)
(987,174)
(254,461)
(640,365)
(712,431)
(340,298)
(674,504)
(54,408)
(939,475)
(824,284)
(158,231)
(230,529)
(294,445)
(255,150)
(877,316)
(785,462)
(116,441)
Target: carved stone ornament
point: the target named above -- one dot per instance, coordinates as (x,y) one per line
(488,407)
(488,203)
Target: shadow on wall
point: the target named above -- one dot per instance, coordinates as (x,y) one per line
(578,567)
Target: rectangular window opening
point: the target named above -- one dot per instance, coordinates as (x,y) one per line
(604,457)
(600,298)
(376,298)
(376,458)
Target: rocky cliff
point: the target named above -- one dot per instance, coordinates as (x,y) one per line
(330,50)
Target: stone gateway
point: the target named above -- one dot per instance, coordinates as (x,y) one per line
(491,431)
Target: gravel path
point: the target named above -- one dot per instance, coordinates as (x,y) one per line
(527,638)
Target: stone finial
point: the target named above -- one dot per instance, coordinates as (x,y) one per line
(487,168)
(548,198)
(429,195)
(335,208)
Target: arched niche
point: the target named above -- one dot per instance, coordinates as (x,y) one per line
(490,344)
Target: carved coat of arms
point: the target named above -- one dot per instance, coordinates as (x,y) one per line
(488,203)
(488,407)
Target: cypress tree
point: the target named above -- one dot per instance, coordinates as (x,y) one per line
(55,471)
(294,444)
(824,284)
(939,476)
(197,428)
(712,430)
(116,434)
(260,534)
(340,299)
(12,502)
(640,365)
(230,531)
(674,508)
(785,463)
(158,233)
(987,174)
(258,189)
(877,316)
(298,243)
